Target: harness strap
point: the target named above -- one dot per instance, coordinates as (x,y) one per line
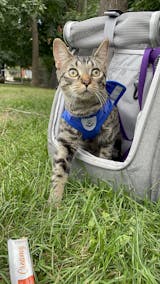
(89,126)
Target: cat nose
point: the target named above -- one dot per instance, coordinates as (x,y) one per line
(86,80)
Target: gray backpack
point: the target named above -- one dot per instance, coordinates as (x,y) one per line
(133,61)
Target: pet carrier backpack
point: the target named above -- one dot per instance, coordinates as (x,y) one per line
(133,61)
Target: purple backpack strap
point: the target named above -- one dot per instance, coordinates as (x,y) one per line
(150,56)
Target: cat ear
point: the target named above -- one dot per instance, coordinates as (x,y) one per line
(102,51)
(60,53)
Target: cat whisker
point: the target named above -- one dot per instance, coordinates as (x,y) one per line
(104,98)
(99,98)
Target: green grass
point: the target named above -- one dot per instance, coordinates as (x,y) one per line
(95,237)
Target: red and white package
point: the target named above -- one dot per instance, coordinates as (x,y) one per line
(20,265)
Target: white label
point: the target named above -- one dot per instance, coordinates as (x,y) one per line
(19,260)
(89,123)
(116,92)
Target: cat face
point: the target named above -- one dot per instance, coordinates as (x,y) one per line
(82,79)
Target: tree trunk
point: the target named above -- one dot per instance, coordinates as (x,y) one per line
(82,6)
(112,5)
(35,53)
(85,7)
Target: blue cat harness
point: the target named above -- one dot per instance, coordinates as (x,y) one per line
(90,126)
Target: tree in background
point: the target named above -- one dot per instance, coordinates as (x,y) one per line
(50,26)
(144,5)
(27,28)
(16,18)
(105,5)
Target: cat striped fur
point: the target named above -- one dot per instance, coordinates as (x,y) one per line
(82,80)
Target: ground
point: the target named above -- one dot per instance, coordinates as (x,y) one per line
(97,236)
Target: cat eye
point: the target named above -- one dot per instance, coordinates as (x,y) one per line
(95,72)
(73,72)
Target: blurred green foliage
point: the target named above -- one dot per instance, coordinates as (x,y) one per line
(16,32)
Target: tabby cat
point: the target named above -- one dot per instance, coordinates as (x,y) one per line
(82,80)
